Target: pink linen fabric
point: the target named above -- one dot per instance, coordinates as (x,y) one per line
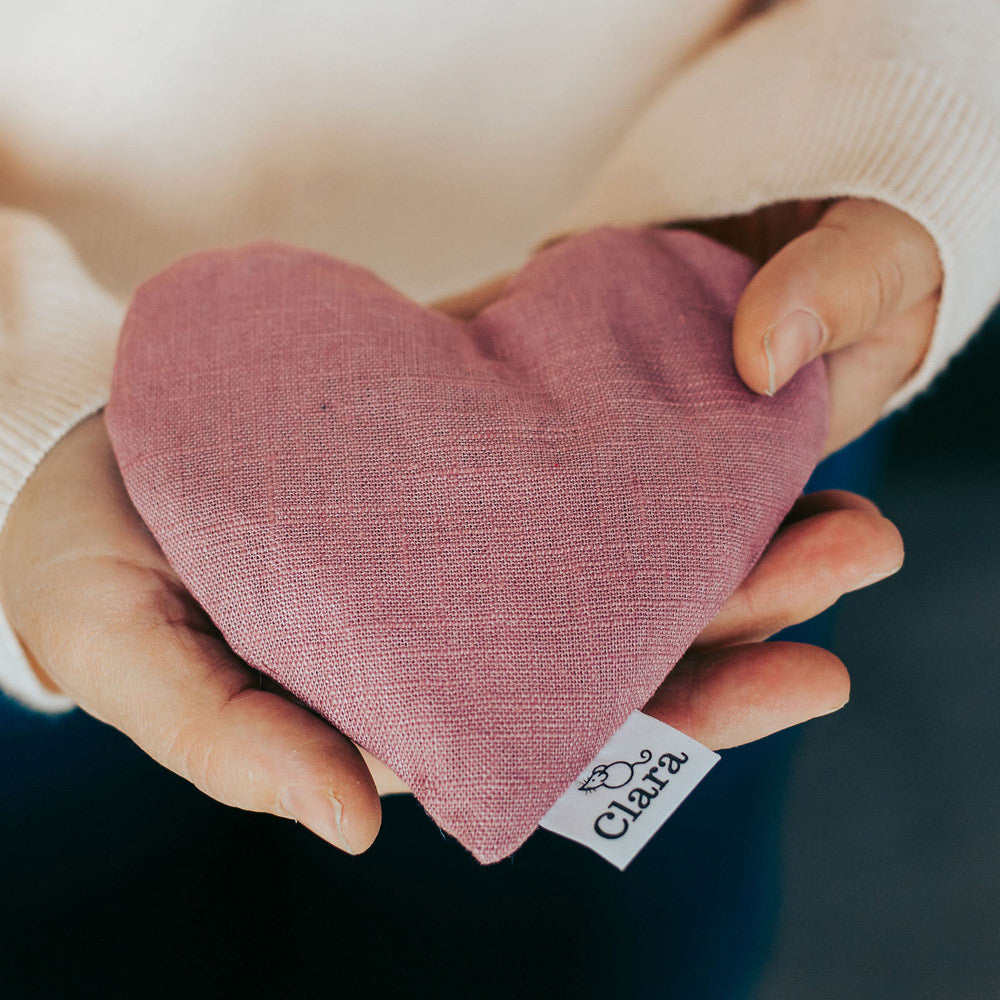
(473,547)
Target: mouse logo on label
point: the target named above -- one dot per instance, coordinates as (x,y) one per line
(617,774)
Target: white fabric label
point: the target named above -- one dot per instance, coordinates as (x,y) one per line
(642,774)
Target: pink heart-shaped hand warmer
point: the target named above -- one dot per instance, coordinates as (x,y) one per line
(474,547)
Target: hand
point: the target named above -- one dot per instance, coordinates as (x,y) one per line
(731,687)
(104,619)
(856,281)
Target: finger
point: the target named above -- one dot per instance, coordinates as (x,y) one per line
(810,563)
(863,377)
(862,264)
(99,607)
(387,782)
(821,501)
(728,697)
(186,700)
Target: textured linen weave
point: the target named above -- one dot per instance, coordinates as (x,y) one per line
(473,547)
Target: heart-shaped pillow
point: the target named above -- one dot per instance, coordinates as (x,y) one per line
(474,547)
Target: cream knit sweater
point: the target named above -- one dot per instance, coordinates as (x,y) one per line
(438,141)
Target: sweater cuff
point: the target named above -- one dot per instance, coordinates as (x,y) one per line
(58,330)
(779,113)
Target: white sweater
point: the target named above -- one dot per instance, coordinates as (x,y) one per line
(438,141)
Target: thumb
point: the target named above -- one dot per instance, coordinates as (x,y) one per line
(97,604)
(140,657)
(864,263)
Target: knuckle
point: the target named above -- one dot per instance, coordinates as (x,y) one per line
(884,286)
(195,754)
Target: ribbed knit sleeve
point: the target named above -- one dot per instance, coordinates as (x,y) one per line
(58,330)
(897,100)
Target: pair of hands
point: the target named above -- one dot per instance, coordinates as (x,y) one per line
(103,617)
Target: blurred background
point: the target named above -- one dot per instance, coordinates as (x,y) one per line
(891,839)
(119,880)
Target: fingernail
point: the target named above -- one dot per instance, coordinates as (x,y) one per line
(788,345)
(836,708)
(317,810)
(875,577)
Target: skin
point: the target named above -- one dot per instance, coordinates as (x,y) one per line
(103,618)
(867,272)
